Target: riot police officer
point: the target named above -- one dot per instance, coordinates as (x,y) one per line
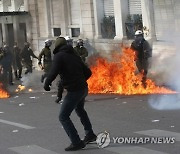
(47,60)
(6,63)
(143,52)
(26,55)
(17,63)
(80,50)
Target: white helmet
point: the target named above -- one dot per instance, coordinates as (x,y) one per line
(69,40)
(48,42)
(138,32)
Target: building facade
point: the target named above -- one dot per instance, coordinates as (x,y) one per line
(103,23)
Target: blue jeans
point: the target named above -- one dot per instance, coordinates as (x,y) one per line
(74,100)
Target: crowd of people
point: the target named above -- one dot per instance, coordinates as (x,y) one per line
(14,60)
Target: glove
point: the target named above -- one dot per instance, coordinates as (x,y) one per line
(58,99)
(47,87)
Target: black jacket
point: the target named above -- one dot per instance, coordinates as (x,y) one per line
(142,48)
(69,66)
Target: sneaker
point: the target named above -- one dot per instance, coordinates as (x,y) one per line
(73,147)
(90,138)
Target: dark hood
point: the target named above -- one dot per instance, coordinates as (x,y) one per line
(65,48)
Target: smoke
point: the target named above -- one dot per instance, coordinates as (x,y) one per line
(165,102)
(32,79)
(167,72)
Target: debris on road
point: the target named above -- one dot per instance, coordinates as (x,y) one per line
(21,104)
(15,131)
(155,120)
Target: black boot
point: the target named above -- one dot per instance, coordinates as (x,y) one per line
(42,78)
(75,147)
(16,75)
(91,137)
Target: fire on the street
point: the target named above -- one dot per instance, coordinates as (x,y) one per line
(20,88)
(118,76)
(3,93)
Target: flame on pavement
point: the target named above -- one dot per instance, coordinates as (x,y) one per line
(3,93)
(20,88)
(118,76)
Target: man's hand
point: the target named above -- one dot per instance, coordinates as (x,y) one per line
(47,87)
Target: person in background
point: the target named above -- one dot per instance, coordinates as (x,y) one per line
(47,60)
(80,50)
(17,63)
(74,74)
(69,40)
(143,52)
(6,63)
(26,55)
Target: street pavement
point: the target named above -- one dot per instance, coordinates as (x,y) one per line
(29,124)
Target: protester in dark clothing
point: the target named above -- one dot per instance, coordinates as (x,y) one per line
(26,55)
(80,50)
(143,52)
(47,61)
(74,74)
(69,41)
(17,63)
(6,62)
(60,91)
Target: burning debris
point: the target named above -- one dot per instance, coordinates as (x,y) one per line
(20,88)
(118,76)
(3,92)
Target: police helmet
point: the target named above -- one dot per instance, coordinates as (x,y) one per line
(69,40)
(48,42)
(138,32)
(27,44)
(80,42)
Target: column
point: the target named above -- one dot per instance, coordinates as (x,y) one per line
(26,7)
(66,18)
(48,18)
(98,16)
(16,28)
(118,15)
(148,19)
(4,31)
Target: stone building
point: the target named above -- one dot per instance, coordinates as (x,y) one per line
(103,23)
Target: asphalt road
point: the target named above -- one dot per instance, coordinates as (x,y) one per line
(29,124)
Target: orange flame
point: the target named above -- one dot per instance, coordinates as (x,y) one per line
(20,88)
(3,93)
(118,76)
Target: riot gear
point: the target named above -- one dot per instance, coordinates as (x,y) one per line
(138,32)
(80,42)
(48,43)
(143,52)
(69,40)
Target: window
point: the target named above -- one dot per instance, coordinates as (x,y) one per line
(75,32)
(57,31)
